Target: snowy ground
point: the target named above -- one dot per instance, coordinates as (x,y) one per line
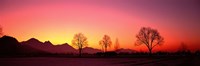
(52,61)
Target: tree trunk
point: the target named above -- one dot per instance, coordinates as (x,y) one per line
(80,52)
(105,49)
(150,52)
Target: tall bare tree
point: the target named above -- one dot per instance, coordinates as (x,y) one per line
(102,46)
(117,46)
(183,47)
(149,37)
(105,42)
(79,41)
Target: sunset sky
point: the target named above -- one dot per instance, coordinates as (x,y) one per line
(58,21)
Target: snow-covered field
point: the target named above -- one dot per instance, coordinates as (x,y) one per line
(52,61)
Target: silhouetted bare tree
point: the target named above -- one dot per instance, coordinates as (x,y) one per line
(117,46)
(149,37)
(79,41)
(183,47)
(102,46)
(105,42)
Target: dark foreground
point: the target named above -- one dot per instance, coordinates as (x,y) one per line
(56,61)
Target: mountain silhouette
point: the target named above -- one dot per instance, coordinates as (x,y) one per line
(10,46)
(49,47)
(90,50)
(64,48)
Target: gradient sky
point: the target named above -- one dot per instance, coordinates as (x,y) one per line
(58,21)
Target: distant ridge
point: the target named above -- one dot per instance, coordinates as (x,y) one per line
(49,47)
(10,45)
(90,50)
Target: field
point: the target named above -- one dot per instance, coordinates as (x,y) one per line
(55,61)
